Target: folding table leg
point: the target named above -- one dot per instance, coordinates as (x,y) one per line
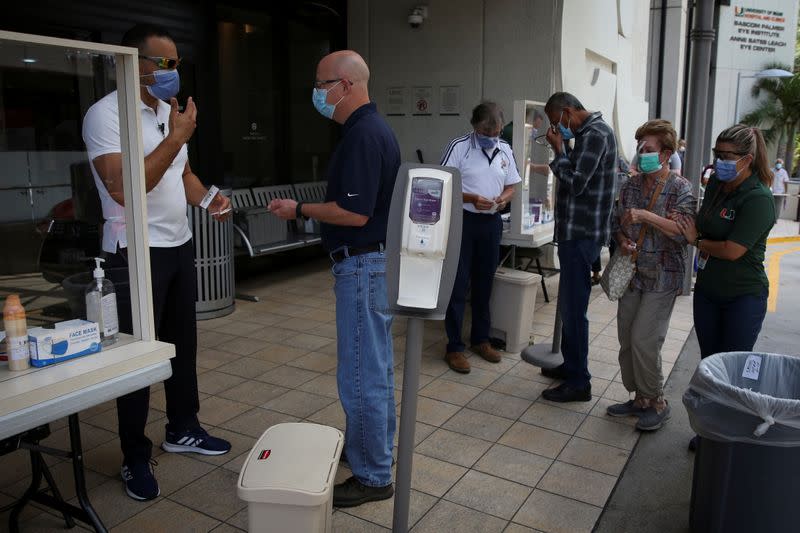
(33,488)
(80,479)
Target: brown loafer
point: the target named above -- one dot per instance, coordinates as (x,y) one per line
(457,362)
(486,351)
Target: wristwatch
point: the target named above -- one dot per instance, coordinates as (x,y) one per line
(697,241)
(298,211)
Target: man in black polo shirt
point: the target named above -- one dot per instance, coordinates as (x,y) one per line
(354,216)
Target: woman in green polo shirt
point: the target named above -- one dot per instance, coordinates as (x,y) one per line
(730,231)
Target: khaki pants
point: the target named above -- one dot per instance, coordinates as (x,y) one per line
(642,324)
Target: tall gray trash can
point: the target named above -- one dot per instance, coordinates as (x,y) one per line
(213,260)
(746,408)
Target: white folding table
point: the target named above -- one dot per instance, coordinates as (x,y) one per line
(31,399)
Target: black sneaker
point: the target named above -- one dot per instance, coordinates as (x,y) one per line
(140,483)
(352,492)
(195,441)
(564,393)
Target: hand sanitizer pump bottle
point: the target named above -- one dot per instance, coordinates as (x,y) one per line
(101,305)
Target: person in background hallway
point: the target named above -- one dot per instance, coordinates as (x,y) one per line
(584,204)
(645,309)
(780,183)
(170,185)
(354,217)
(730,233)
(488,175)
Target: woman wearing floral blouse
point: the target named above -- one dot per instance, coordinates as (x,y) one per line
(644,311)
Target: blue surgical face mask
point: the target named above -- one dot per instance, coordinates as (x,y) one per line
(779,165)
(167,85)
(486,142)
(320,99)
(725,171)
(566,132)
(649,162)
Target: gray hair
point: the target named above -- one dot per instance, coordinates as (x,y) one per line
(558,101)
(488,114)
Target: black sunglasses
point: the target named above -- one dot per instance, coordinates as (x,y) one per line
(168,63)
(725,154)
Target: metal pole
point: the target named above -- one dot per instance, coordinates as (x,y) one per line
(408,421)
(736,105)
(702,35)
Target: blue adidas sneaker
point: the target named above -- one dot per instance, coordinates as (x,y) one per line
(140,483)
(195,440)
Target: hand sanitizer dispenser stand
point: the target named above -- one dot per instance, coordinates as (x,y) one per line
(422,247)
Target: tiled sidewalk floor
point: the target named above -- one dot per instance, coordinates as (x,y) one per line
(491,454)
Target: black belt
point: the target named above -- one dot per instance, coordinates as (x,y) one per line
(349,251)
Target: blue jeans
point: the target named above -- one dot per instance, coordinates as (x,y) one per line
(728,325)
(574,287)
(477,264)
(365,371)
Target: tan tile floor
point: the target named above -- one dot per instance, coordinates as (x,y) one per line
(491,454)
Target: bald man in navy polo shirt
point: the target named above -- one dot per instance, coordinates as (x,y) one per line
(354,217)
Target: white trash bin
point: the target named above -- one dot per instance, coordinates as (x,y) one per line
(511,307)
(287,479)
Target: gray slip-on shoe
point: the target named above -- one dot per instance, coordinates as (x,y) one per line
(628,408)
(652,420)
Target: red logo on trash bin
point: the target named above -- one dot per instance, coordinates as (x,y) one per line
(264,454)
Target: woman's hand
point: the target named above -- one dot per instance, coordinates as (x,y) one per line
(688,228)
(626,246)
(635,216)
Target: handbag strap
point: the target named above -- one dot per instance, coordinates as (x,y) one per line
(643,232)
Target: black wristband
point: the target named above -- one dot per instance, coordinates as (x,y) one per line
(298,211)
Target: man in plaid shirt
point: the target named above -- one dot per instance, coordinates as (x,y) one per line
(584,203)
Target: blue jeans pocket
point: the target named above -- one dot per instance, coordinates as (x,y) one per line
(377,292)
(348,267)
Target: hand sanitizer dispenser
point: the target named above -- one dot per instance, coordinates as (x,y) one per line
(423,240)
(425,233)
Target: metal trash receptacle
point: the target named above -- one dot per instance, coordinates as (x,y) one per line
(746,409)
(287,479)
(511,307)
(213,261)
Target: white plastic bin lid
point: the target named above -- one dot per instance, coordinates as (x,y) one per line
(292,464)
(517,277)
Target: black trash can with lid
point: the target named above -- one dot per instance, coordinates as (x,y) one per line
(746,408)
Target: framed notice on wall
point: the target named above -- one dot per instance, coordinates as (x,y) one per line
(422,100)
(450,100)
(396,100)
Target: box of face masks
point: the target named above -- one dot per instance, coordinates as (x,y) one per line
(68,340)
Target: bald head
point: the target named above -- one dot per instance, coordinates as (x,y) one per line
(345,64)
(345,75)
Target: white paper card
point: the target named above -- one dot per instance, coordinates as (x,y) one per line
(212,192)
(752,367)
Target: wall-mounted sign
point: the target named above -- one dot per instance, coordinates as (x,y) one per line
(423,101)
(254,134)
(450,100)
(396,101)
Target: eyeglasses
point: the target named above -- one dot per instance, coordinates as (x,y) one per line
(319,83)
(725,154)
(541,140)
(168,63)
